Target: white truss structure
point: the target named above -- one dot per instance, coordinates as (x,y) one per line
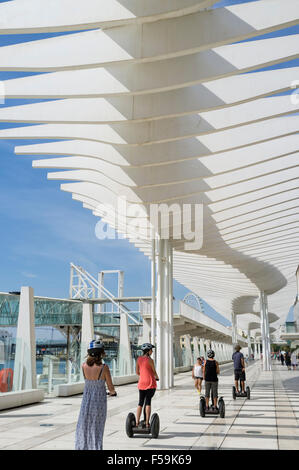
(85,286)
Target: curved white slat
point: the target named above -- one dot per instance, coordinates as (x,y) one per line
(128,79)
(161,130)
(199,98)
(154,41)
(33,16)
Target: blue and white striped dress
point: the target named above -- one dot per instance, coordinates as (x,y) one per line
(92,417)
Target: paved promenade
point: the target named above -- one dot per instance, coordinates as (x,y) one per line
(268,421)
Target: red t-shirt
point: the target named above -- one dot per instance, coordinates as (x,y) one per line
(147,377)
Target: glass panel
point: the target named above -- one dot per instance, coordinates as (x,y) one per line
(6,361)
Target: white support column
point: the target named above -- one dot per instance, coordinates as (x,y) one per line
(214,346)
(268,338)
(260,350)
(146,331)
(229,352)
(217,351)
(101,283)
(170,315)
(87,331)
(163,309)
(221,351)
(234,329)
(166,325)
(120,288)
(226,351)
(202,347)
(265,333)
(188,350)
(25,357)
(208,345)
(255,349)
(297,282)
(153,283)
(249,343)
(159,318)
(178,353)
(195,348)
(124,350)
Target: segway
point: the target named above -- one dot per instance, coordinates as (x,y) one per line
(245,394)
(153,429)
(203,410)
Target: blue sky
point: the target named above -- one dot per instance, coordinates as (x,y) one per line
(43,229)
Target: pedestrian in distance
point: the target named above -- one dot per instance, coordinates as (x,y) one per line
(93,411)
(294,360)
(287,359)
(211,371)
(282,358)
(197,374)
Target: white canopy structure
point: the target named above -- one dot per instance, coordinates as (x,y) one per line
(172,102)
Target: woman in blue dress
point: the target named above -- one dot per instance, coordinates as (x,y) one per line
(93,412)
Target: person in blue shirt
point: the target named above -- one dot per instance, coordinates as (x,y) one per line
(239,368)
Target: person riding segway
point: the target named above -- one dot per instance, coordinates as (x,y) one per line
(147,385)
(210,376)
(240,376)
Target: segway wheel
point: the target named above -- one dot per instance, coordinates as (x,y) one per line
(130,423)
(221,406)
(202,407)
(234,392)
(155,425)
(248,393)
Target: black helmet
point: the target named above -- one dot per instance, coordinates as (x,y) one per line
(147,347)
(96,348)
(210,353)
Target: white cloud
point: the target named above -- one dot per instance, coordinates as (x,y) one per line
(30,275)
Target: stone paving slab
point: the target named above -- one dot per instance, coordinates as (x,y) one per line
(268,421)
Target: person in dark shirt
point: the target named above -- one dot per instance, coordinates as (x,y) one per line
(239,368)
(210,373)
(287,358)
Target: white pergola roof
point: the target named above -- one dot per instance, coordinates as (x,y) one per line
(153,102)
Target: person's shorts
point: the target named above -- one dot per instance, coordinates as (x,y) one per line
(240,375)
(211,387)
(146,396)
(197,377)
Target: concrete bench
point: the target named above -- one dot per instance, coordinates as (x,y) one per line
(20,398)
